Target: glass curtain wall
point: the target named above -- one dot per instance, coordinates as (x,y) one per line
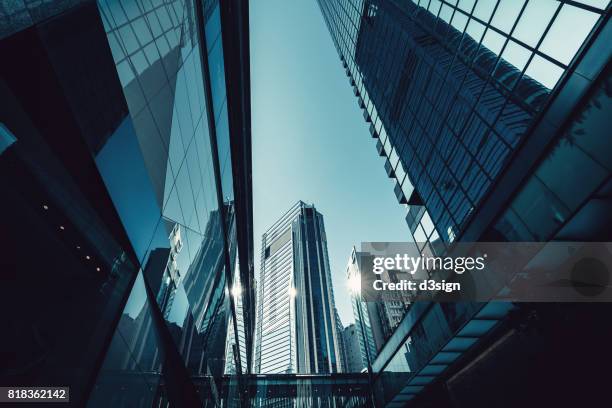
(117,159)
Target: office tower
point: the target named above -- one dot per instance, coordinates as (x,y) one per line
(350,338)
(296,316)
(449,113)
(342,357)
(125,168)
(371,322)
(491,117)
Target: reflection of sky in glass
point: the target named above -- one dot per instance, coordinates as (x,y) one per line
(154,47)
(180,305)
(565,36)
(213,28)
(145,34)
(6,138)
(122,168)
(137,299)
(215,60)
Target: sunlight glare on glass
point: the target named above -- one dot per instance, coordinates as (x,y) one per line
(354,284)
(236,290)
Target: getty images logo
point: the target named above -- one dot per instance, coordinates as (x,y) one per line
(412,264)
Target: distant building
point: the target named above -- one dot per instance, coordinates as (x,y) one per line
(341,347)
(296,329)
(371,320)
(354,360)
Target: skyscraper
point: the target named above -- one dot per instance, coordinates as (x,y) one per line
(350,338)
(451,93)
(342,357)
(296,329)
(126,170)
(490,116)
(373,326)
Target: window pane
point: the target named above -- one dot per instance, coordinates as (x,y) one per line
(506,14)
(544,71)
(562,43)
(534,20)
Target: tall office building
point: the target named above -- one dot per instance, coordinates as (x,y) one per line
(372,325)
(451,93)
(125,168)
(342,357)
(491,116)
(296,328)
(352,347)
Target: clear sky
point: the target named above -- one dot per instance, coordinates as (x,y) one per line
(310,141)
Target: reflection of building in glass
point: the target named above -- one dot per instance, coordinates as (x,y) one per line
(490,116)
(232,347)
(296,328)
(120,160)
(171,277)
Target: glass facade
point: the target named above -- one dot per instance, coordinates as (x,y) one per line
(368,323)
(569,182)
(353,347)
(306,390)
(118,170)
(489,114)
(450,90)
(296,329)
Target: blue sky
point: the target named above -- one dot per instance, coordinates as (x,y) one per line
(310,141)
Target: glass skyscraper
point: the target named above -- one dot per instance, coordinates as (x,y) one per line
(491,117)
(375,322)
(451,92)
(368,321)
(296,329)
(126,172)
(351,340)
